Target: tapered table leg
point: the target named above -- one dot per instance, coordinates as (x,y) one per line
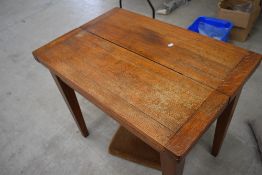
(222,125)
(72,103)
(170,165)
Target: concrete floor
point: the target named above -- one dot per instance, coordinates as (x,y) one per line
(37,132)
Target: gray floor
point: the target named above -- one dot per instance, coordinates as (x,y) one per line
(37,133)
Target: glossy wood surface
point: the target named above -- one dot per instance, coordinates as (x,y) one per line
(203,59)
(165,96)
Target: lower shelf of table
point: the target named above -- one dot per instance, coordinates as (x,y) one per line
(127,146)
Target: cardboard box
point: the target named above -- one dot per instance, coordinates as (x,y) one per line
(241,34)
(238,18)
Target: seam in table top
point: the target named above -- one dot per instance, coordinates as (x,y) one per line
(94,82)
(196,110)
(204,84)
(150,60)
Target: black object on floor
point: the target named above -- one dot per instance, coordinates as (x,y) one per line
(150,4)
(256,126)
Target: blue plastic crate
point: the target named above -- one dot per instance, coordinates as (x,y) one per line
(223,26)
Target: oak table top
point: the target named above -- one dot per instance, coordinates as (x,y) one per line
(166,96)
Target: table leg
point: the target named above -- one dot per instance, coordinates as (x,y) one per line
(222,125)
(170,165)
(72,103)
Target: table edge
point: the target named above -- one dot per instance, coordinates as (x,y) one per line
(227,91)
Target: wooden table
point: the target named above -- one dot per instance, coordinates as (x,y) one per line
(164,97)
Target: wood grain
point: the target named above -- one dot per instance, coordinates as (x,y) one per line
(237,77)
(191,131)
(200,58)
(128,77)
(165,96)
